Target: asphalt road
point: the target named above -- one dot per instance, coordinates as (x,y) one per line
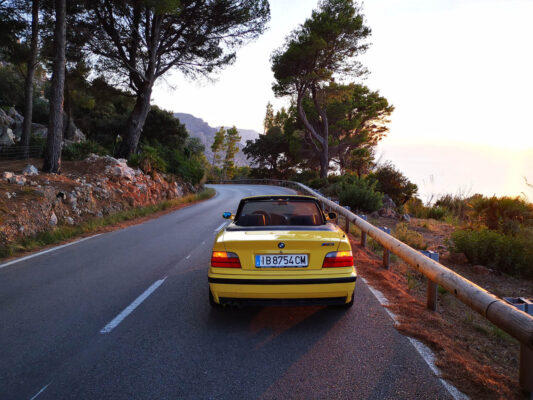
(172,345)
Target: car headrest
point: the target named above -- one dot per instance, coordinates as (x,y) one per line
(251,220)
(302,220)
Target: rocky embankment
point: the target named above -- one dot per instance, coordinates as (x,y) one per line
(32,202)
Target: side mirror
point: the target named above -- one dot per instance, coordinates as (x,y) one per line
(228,215)
(332,215)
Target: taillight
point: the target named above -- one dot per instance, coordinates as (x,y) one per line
(223,259)
(338,259)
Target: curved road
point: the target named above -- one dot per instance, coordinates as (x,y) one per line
(124,315)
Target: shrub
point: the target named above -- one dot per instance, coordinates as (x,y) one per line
(409,237)
(80,151)
(416,207)
(503,213)
(512,255)
(361,196)
(149,159)
(456,205)
(394,183)
(437,213)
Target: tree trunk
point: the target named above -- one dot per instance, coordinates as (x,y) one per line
(28,84)
(136,121)
(52,161)
(324,160)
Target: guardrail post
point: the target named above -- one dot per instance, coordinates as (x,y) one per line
(386,252)
(431,299)
(526,368)
(432,289)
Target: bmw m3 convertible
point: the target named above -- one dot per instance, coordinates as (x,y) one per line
(281,250)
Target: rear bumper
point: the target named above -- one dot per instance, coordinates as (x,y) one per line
(282,291)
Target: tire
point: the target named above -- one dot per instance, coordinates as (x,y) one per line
(212,301)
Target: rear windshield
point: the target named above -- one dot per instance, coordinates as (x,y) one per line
(280,212)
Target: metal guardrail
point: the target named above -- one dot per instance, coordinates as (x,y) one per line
(516,323)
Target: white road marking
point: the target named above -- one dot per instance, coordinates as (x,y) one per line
(220,227)
(40,391)
(189,256)
(203,242)
(129,309)
(424,351)
(46,251)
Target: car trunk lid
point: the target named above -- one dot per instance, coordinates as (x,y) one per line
(315,244)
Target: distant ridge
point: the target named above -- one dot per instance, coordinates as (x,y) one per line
(198,128)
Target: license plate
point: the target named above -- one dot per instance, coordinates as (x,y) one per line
(281,260)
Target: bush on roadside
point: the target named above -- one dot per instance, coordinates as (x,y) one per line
(505,214)
(437,213)
(148,159)
(509,254)
(80,151)
(393,183)
(416,207)
(409,237)
(361,196)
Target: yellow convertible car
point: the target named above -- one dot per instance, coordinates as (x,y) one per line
(281,250)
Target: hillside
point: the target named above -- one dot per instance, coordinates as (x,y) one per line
(197,127)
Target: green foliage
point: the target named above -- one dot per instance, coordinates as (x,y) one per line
(149,159)
(437,213)
(231,139)
(162,127)
(11,87)
(512,255)
(218,144)
(267,152)
(455,204)
(80,151)
(416,207)
(394,183)
(503,213)
(361,196)
(409,237)
(41,111)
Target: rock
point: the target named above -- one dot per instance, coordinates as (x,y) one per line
(8,195)
(7,175)
(388,213)
(480,270)
(69,220)
(388,202)
(6,136)
(121,170)
(39,130)
(30,170)
(442,247)
(142,187)
(53,219)
(110,160)
(406,218)
(14,114)
(92,157)
(374,214)
(79,136)
(33,183)
(178,190)
(18,179)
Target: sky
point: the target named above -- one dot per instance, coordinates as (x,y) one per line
(457,71)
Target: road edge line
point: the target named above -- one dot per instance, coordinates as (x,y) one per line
(17,260)
(425,352)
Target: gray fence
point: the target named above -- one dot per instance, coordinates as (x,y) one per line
(19,152)
(516,323)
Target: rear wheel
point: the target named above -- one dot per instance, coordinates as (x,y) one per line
(212,301)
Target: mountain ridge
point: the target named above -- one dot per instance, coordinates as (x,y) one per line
(200,129)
